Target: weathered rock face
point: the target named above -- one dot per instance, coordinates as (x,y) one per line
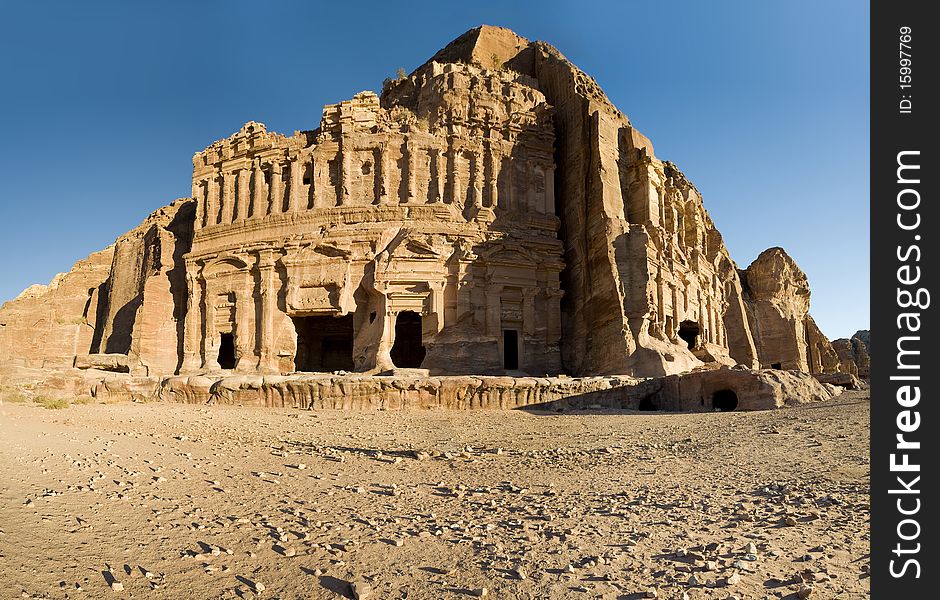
(48,325)
(777,299)
(491,213)
(648,282)
(854,354)
(144,299)
(862,352)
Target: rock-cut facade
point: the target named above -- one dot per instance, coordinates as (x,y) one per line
(490,213)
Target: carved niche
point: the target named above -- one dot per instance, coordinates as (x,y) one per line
(318,280)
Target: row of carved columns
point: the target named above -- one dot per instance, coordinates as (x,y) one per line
(710,316)
(251,192)
(258,190)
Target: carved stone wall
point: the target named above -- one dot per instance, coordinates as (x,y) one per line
(443,209)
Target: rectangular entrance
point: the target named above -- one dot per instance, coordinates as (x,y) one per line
(510,349)
(324,343)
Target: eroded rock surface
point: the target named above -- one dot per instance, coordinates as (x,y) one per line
(48,325)
(777,297)
(854,354)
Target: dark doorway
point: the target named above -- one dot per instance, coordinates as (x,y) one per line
(510,349)
(688,331)
(227,351)
(725,400)
(646,403)
(324,344)
(776,366)
(407,351)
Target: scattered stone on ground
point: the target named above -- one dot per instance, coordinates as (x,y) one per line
(585,504)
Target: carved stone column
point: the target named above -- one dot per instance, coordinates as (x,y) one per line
(228,197)
(550,189)
(410,166)
(312,188)
(493,310)
(342,198)
(528,312)
(199,195)
(277,189)
(192,333)
(440,175)
(295,200)
(437,304)
(383,169)
(259,196)
(492,181)
(267,362)
(383,353)
(210,348)
(212,200)
(244,182)
(553,324)
(475,198)
(244,338)
(455,177)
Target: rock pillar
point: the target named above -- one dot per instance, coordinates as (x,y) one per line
(244,177)
(267,362)
(192,334)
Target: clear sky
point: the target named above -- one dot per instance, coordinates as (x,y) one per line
(764,105)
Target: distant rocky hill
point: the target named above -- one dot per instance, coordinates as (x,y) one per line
(854,354)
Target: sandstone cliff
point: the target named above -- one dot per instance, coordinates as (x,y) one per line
(854,354)
(777,297)
(144,298)
(650,288)
(48,325)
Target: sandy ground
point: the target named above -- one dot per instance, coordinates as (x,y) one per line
(173,501)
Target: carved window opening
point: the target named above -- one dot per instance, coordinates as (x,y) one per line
(324,343)
(408,351)
(689,332)
(510,349)
(725,400)
(227,351)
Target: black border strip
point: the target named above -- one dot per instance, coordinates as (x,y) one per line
(904,269)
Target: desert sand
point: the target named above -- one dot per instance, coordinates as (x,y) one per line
(156,500)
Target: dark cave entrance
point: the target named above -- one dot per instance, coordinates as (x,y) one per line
(510,349)
(688,331)
(777,366)
(407,351)
(725,400)
(324,343)
(646,403)
(227,351)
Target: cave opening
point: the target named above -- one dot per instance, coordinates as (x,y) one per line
(688,331)
(227,351)
(324,343)
(408,351)
(510,349)
(725,400)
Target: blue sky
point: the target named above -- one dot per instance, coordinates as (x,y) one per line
(764,105)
